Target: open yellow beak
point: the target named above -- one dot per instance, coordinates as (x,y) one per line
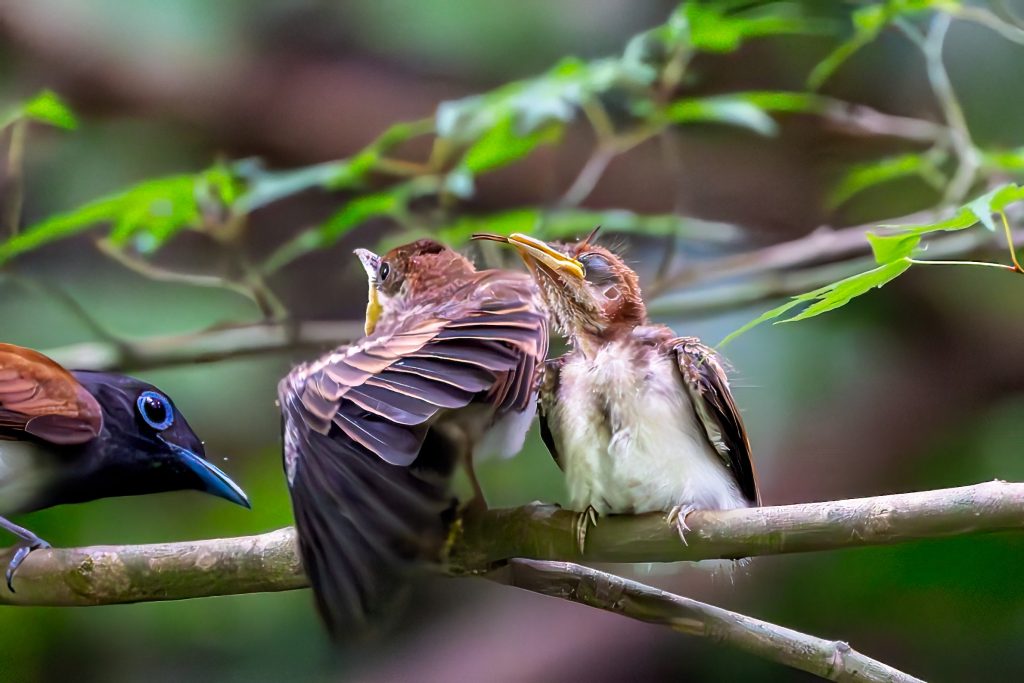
(542,253)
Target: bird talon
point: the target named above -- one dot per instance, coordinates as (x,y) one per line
(587,519)
(677,518)
(19,557)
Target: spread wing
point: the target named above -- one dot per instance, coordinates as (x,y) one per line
(368,475)
(706,381)
(548,399)
(40,398)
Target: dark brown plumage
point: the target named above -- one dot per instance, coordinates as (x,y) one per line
(373,430)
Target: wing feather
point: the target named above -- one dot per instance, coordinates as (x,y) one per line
(40,398)
(706,381)
(369,476)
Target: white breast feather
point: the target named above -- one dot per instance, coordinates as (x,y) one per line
(654,457)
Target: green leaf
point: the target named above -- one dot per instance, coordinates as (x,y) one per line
(149,213)
(863,176)
(726,109)
(829,297)
(868,23)
(46,107)
(889,248)
(711,27)
(353,214)
(504,144)
(962,219)
(995,201)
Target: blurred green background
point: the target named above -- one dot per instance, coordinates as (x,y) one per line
(918,386)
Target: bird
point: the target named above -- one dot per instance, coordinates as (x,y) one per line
(639,419)
(373,431)
(76,436)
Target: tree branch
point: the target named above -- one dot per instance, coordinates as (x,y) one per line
(269,562)
(830,659)
(776,270)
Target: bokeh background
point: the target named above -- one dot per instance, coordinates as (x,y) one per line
(918,386)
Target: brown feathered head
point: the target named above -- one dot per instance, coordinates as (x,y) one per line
(410,275)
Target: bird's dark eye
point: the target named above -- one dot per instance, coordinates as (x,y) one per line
(384,271)
(156,410)
(598,269)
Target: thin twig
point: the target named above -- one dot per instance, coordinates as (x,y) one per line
(15,180)
(269,562)
(931,47)
(831,659)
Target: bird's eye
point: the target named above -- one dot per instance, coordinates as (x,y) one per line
(597,268)
(156,410)
(384,271)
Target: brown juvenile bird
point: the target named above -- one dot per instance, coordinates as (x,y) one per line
(373,430)
(639,419)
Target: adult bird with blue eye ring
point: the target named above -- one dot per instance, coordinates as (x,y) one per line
(75,436)
(640,420)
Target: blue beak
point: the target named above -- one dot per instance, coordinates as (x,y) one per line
(215,482)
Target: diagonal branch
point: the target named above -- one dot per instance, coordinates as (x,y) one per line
(830,659)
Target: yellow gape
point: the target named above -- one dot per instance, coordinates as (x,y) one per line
(373,309)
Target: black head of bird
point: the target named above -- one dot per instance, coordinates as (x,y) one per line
(374,429)
(71,437)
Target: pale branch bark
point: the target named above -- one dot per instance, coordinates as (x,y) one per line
(829,659)
(105,575)
(269,562)
(206,346)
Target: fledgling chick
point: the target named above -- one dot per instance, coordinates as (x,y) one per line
(640,420)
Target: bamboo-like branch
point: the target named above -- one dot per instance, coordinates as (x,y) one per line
(269,562)
(830,659)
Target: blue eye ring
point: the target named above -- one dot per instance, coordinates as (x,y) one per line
(155,409)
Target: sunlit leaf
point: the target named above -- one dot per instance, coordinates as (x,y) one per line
(147,214)
(889,248)
(504,144)
(353,214)
(829,297)
(46,107)
(726,109)
(713,27)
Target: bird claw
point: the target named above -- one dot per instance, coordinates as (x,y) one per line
(19,556)
(587,519)
(677,517)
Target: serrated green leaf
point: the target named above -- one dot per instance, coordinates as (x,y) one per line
(842,292)
(863,176)
(504,144)
(712,27)
(961,220)
(829,297)
(889,248)
(994,201)
(726,109)
(150,212)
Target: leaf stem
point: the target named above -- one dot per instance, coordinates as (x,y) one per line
(1009,242)
(987,264)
